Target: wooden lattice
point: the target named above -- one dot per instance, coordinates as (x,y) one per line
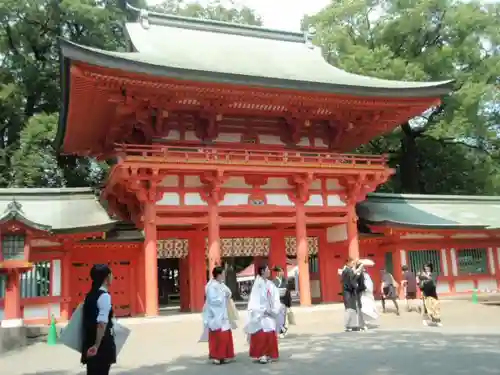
(291,245)
(243,246)
(172,248)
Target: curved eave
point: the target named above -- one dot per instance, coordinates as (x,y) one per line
(94,228)
(15,216)
(127,63)
(402,225)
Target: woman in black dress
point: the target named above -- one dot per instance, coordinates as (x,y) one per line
(427,283)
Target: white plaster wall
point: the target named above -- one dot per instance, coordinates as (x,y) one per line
(229,137)
(236,182)
(491,261)
(333,184)
(318,142)
(169,199)
(170,181)
(266,139)
(279,200)
(444,262)
(443,287)
(315,200)
(192,181)
(418,236)
(336,233)
(454,265)
(194,199)
(173,135)
(44,243)
(37,311)
(469,235)
(55,281)
(333,200)
(487,285)
(464,286)
(304,141)
(190,136)
(276,183)
(404,258)
(231,199)
(315,185)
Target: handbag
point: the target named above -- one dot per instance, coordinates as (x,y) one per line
(232,311)
(291,317)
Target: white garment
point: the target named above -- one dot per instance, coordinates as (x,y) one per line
(103,306)
(215,314)
(263,307)
(368,306)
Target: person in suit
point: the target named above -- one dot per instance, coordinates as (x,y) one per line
(98,344)
(285,298)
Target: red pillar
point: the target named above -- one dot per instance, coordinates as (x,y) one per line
(328,276)
(65,285)
(12,308)
(302,255)
(150,259)
(352,232)
(214,255)
(197,272)
(277,253)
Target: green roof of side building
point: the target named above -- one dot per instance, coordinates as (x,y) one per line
(431,211)
(64,210)
(218,52)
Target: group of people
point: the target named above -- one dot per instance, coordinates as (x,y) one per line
(268,305)
(359,300)
(267,311)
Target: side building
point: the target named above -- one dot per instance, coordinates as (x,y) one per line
(51,237)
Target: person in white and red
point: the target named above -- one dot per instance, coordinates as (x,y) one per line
(98,346)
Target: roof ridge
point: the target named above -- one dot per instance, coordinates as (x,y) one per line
(146,18)
(434,197)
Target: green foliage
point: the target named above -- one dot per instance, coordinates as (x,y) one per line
(30,86)
(427,40)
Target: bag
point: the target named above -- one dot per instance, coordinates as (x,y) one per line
(72,334)
(232,312)
(291,317)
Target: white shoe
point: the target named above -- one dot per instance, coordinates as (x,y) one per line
(439,324)
(264,359)
(282,335)
(216,361)
(425,322)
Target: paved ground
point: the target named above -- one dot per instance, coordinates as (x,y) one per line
(469,343)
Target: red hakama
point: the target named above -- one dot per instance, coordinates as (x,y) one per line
(264,344)
(220,344)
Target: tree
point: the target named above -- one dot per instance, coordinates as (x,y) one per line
(427,40)
(30,86)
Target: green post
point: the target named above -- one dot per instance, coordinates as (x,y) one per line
(52,336)
(474,296)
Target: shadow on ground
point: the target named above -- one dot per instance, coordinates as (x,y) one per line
(358,353)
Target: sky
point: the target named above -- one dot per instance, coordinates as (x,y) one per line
(272,13)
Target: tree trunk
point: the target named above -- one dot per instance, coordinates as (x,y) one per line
(408,166)
(231,280)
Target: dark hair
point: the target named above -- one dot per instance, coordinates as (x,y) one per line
(261,269)
(98,274)
(218,270)
(431,267)
(404,268)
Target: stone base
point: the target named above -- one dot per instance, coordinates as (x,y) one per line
(12,338)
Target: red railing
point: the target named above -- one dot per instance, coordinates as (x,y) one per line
(226,156)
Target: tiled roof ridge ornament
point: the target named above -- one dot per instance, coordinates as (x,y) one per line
(144,18)
(309,36)
(14,207)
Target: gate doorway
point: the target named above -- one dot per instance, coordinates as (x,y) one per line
(168,282)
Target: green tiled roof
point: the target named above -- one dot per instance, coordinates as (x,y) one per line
(431,211)
(210,51)
(55,210)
